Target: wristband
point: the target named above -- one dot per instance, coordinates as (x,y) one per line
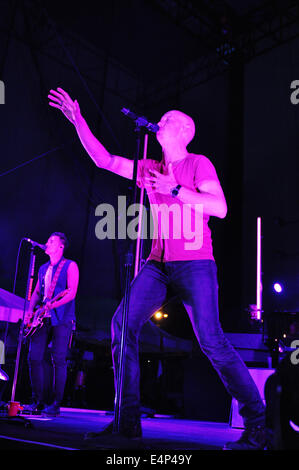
(175,191)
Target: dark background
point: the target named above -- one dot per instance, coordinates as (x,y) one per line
(229,64)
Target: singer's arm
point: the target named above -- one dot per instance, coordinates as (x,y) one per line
(102,158)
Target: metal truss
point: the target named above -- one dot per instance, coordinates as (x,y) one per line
(33,27)
(221,37)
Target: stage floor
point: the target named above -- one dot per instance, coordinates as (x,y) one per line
(67,431)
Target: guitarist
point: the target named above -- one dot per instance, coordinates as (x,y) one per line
(48,378)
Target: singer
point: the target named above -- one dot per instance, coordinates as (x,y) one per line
(48,373)
(180,178)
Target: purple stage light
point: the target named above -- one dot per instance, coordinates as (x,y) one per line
(277,287)
(3,375)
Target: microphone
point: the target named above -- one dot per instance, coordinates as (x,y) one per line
(141,121)
(43,247)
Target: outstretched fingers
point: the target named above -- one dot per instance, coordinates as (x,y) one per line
(54,99)
(60,97)
(54,105)
(65,95)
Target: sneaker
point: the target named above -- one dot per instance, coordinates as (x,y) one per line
(52,410)
(106,431)
(252,438)
(130,431)
(34,408)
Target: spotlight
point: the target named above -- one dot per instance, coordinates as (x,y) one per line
(3,375)
(277,287)
(294,426)
(158,315)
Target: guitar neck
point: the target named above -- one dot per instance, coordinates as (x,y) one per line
(60,295)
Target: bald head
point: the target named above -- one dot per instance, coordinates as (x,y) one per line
(180,124)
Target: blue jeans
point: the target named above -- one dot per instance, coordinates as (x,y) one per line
(195,282)
(48,374)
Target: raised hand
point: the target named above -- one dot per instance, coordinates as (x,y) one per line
(60,99)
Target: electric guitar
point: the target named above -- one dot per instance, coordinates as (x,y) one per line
(40,313)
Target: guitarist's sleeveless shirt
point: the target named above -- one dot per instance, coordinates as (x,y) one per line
(66,312)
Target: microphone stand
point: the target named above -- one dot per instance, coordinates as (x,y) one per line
(129,260)
(139,246)
(30,279)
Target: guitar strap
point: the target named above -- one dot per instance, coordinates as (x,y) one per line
(55,279)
